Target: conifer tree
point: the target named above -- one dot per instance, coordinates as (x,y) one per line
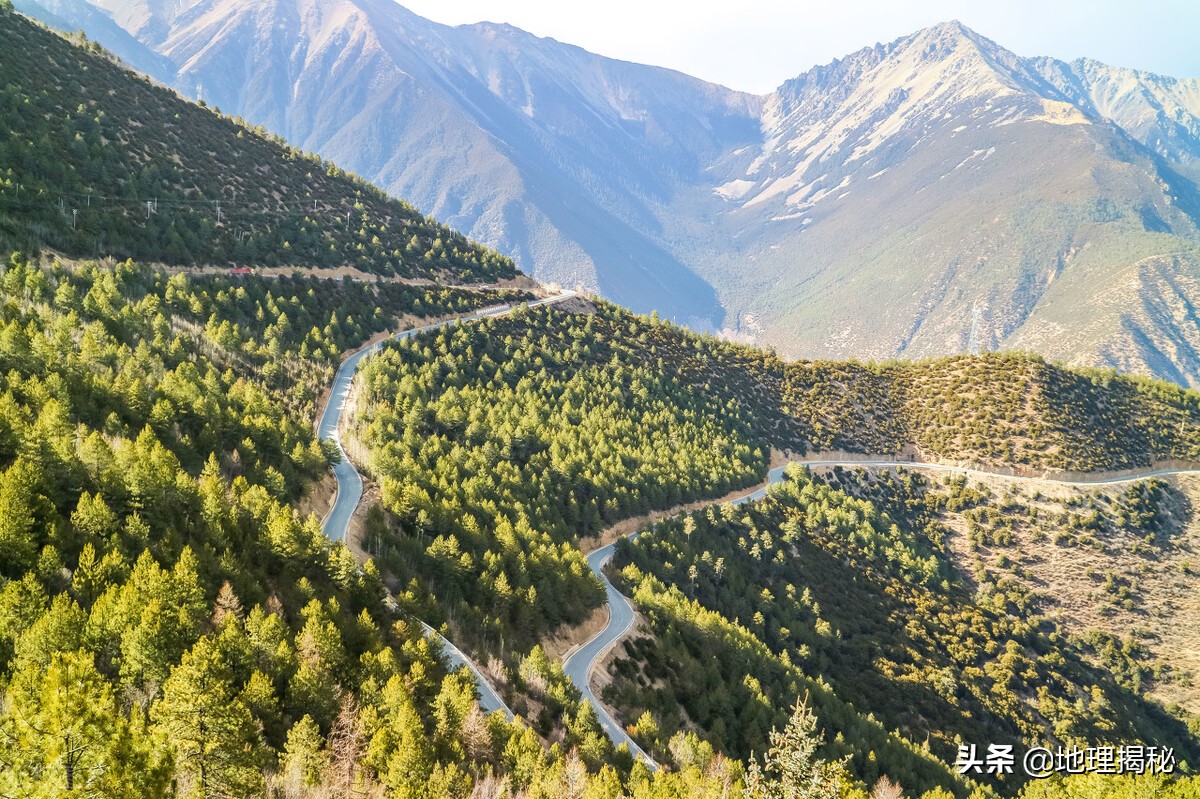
(62,735)
(791,769)
(305,762)
(213,733)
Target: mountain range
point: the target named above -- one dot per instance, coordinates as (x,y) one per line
(927,196)
(502,476)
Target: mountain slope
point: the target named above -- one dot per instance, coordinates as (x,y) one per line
(96,161)
(499,447)
(847,586)
(172,620)
(881,205)
(543,150)
(1161,112)
(943,173)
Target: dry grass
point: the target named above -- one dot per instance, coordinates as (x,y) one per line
(568,637)
(1077,583)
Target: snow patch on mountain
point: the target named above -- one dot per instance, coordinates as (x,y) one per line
(870,106)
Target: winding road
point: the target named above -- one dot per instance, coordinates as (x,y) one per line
(580,664)
(350,484)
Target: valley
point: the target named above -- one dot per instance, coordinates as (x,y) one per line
(1051,206)
(305,494)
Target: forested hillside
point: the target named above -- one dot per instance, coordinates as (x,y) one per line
(290,333)
(847,590)
(999,409)
(96,160)
(172,625)
(166,617)
(500,444)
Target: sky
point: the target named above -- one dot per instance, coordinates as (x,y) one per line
(754,45)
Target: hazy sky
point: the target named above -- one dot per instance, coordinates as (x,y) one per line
(755,45)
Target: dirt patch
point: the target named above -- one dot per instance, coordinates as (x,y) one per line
(782,457)
(318,497)
(576,305)
(567,638)
(522,282)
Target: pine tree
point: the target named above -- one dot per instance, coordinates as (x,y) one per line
(400,746)
(18,546)
(62,735)
(791,769)
(305,761)
(216,742)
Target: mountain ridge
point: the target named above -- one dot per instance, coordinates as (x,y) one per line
(780,218)
(98,162)
(170,607)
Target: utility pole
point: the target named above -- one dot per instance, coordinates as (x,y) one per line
(74,216)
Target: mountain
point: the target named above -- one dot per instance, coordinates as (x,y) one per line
(100,162)
(545,151)
(1161,112)
(913,191)
(176,619)
(886,204)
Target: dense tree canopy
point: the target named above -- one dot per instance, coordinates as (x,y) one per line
(501,444)
(170,626)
